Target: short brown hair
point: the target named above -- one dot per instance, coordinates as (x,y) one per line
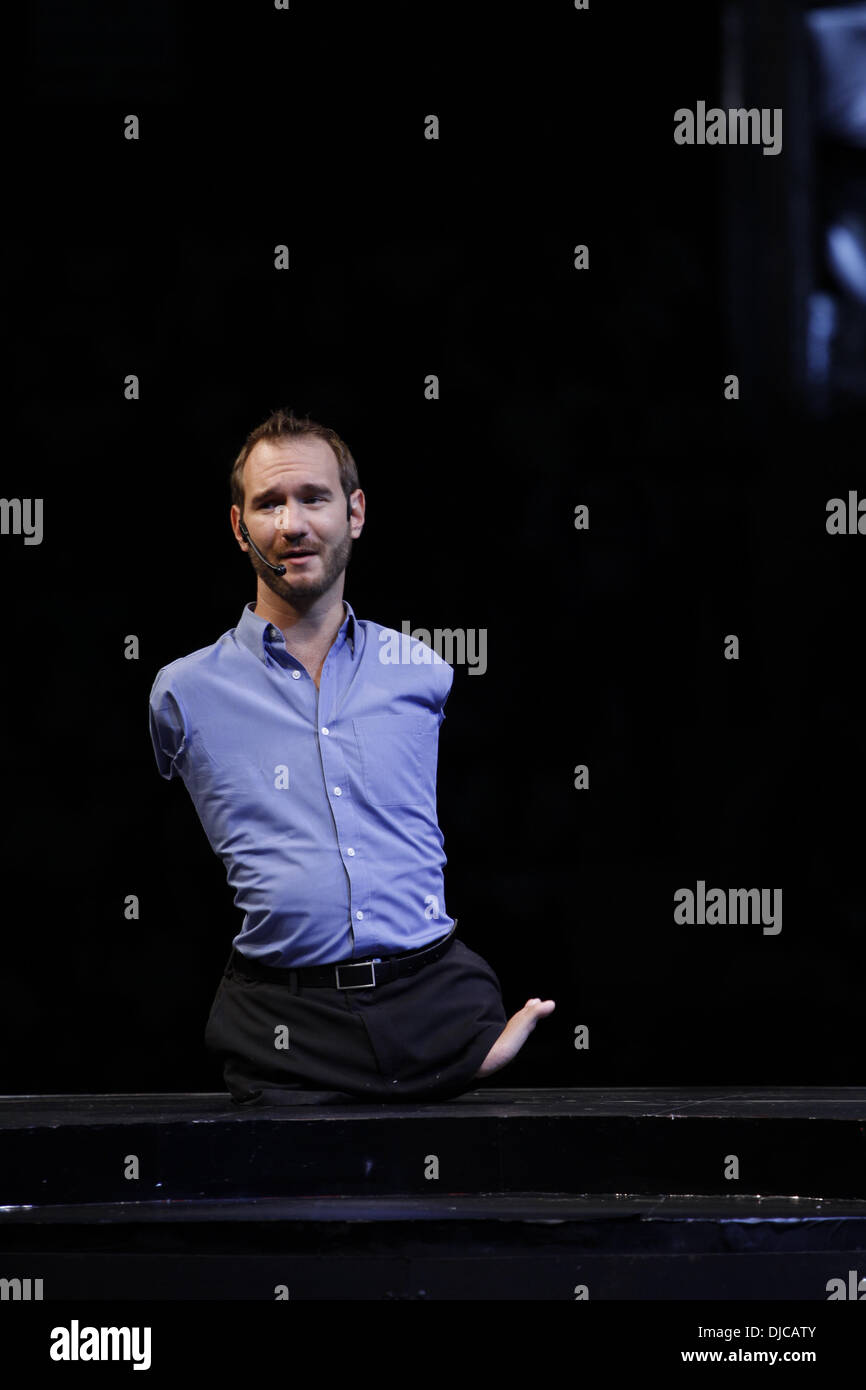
(283,424)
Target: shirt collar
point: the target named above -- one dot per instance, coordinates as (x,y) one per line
(256,633)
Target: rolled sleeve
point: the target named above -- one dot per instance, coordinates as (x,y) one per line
(168,731)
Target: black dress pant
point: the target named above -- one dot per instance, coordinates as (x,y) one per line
(422,1037)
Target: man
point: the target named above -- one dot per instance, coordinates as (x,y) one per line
(309,745)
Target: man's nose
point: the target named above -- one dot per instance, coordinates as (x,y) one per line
(289,520)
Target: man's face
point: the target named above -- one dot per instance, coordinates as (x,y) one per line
(293,502)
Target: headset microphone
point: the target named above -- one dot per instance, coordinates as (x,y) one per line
(277,569)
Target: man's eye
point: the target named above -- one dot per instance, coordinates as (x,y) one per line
(266,505)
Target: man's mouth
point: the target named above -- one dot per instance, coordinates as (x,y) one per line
(296,556)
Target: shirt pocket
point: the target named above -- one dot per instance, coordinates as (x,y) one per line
(398,754)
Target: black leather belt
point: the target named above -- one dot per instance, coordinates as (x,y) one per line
(347,974)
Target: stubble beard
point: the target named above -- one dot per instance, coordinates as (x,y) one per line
(303,591)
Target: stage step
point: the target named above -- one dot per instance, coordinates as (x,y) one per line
(800,1142)
(439,1248)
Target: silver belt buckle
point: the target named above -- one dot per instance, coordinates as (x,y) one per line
(358,965)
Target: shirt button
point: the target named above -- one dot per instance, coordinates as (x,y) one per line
(296,675)
(359,915)
(337,792)
(350,851)
(325,731)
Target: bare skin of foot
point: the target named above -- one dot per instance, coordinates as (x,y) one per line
(514,1035)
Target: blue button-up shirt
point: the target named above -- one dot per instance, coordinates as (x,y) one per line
(321,803)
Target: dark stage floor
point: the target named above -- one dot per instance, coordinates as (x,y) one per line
(649,1193)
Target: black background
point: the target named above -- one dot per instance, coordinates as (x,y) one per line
(558,387)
